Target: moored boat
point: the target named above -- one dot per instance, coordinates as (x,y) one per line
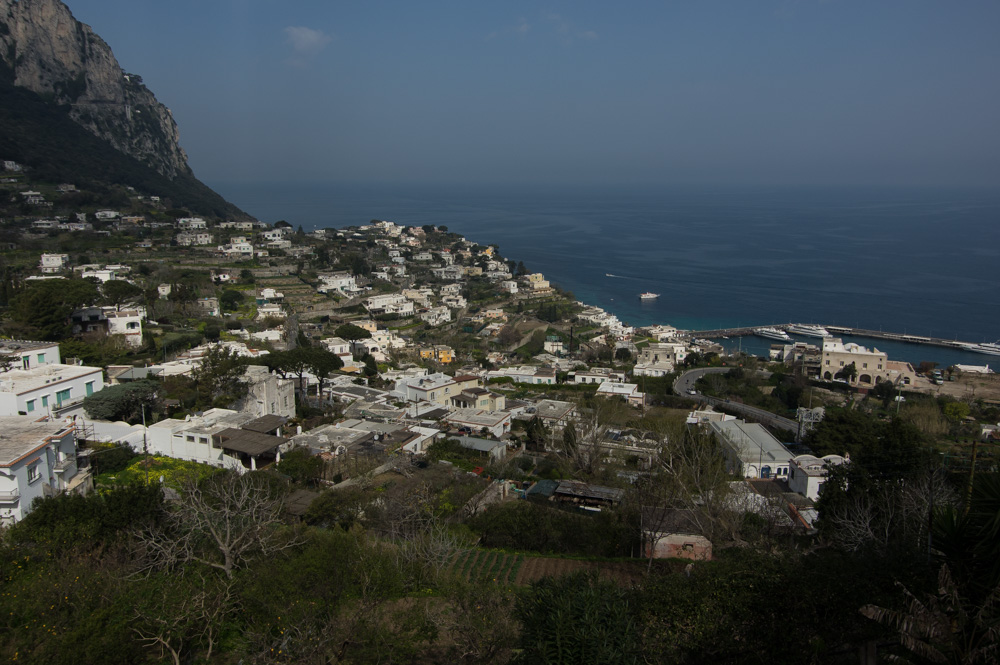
(772,333)
(989,348)
(807,330)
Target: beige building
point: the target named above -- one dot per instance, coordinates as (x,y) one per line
(871,365)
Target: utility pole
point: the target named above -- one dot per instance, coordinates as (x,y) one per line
(145,445)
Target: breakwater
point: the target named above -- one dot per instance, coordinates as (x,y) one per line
(745,331)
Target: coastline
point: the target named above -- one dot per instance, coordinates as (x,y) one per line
(870,258)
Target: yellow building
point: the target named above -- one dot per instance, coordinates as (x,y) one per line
(441,353)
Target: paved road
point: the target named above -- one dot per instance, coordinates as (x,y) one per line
(684,385)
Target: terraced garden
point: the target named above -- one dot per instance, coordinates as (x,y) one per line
(519,569)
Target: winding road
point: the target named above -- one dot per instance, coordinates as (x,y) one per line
(685,385)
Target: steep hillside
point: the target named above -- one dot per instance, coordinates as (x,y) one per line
(69,110)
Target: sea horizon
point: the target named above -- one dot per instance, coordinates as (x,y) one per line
(913,260)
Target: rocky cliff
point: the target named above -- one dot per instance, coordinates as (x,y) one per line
(45,50)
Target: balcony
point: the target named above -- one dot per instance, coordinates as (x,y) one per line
(10,497)
(62,465)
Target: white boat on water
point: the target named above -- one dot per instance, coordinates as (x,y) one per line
(807,330)
(649,296)
(772,333)
(989,348)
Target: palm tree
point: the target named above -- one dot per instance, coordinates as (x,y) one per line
(944,628)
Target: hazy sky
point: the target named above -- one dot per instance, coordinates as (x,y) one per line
(738,92)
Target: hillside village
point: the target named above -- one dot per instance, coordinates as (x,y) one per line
(385,371)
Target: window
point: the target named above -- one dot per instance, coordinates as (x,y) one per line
(864,365)
(90,388)
(33,473)
(63,395)
(41,358)
(190,438)
(31,405)
(202,439)
(45,400)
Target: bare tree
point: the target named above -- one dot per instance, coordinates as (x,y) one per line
(687,488)
(220,523)
(174,621)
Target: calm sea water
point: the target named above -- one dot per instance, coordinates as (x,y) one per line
(920,261)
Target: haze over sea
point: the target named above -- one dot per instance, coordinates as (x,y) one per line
(919,261)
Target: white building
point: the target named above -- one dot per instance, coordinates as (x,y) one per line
(627,391)
(659,359)
(50,386)
(344,282)
(807,473)
(24,354)
(392,303)
(271,309)
(192,223)
(437,388)
(238,247)
(188,239)
(216,437)
(525,374)
(750,450)
(598,375)
(338,346)
(495,423)
(435,316)
(269,394)
(128,324)
(53,263)
(37,459)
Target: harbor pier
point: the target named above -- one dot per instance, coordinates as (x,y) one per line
(745,331)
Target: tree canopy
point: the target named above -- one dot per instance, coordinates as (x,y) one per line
(44,307)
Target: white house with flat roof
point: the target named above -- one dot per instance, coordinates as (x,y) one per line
(53,263)
(218,437)
(807,473)
(41,389)
(496,423)
(750,450)
(438,388)
(26,354)
(627,391)
(37,459)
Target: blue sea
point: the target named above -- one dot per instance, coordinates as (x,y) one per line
(918,261)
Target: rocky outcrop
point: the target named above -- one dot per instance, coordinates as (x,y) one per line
(45,49)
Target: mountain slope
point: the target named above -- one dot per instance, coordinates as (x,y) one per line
(57,75)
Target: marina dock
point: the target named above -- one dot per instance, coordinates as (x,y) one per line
(835,330)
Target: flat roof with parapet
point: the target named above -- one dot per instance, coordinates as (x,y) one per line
(329,437)
(20,381)
(24,435)
(482,445)
(477,417)
(208,422)
(553,409)
(22,345)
